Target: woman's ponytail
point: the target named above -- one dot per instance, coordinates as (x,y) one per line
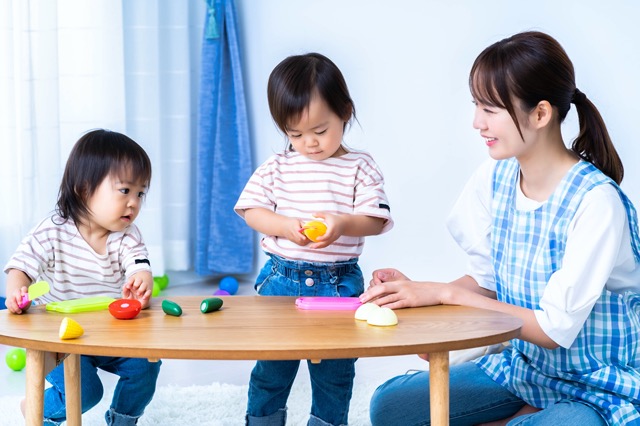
(593,143)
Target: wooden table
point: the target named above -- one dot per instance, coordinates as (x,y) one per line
(249,328)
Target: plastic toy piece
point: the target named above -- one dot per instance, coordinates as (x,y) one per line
(35,290)
(229,284)
(383,317)
(314,229)
(365,311)
(211,304)
(162,280)
(70,329)
(16,359)
(328,303)
(125,309)
(87,304)
(171,308)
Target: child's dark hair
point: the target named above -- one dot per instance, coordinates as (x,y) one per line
(296,79)
(96,155)
(532,67)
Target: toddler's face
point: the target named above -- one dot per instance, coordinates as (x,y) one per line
(116,202)
(318,133)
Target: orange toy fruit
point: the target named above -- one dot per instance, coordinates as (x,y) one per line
(314,229)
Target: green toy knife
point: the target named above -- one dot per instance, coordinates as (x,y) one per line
(35,290)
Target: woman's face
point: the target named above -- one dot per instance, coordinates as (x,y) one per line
(499,131)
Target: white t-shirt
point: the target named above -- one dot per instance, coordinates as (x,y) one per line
(292,185)
(58,254)
(598,252)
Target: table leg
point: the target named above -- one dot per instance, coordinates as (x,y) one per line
(439,387)
(34,404)
(72,389)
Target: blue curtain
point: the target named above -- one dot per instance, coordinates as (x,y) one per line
(224,243)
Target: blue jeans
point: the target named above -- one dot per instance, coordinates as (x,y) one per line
(132,394)
(331,380)
(474,398)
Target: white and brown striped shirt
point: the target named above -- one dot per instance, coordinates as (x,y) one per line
(57,253)
(295,186)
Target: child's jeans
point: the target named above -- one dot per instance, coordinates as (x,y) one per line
(132,394)
(331,380)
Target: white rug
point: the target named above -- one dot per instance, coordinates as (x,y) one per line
(213,405)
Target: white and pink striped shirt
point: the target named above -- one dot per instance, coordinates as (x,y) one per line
(295,186)
(57,253)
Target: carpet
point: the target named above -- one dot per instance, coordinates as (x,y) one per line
(213,405)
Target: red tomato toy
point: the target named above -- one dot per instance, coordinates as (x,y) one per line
(125,308)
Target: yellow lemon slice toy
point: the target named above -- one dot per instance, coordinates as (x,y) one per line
(70,329)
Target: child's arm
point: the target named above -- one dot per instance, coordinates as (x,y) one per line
(17,284)
(351,225)
(270,223)
(139,286)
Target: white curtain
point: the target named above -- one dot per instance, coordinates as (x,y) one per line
(68,66)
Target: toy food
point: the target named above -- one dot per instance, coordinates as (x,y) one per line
(125,308)
(70,329)
(314,229)
(365,311)
(171,308)
(211,304)
(382,317)
(162,280)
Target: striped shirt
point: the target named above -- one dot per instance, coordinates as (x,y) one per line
(292,185)
(54,251)
(600,366)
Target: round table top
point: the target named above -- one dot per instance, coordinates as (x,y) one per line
(258,327)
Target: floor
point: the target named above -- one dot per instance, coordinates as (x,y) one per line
(190,372)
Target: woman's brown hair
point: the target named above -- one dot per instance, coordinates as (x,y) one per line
(532,67)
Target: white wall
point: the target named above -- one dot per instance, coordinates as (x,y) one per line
(406,63)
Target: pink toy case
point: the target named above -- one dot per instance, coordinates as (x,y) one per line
(329,303)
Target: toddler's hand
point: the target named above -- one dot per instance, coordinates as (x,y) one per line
(139,286)
(334,230)
(292,232)
(13,301)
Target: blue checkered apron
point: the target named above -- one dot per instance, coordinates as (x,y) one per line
(601,366)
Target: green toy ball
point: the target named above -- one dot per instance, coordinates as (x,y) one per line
(163,281)
(156,289)
(16,359)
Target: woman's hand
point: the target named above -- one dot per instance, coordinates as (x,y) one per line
(380,276)
(392,289)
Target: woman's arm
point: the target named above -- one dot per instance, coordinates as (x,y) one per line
(464,291)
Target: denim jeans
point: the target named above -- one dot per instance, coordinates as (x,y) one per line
(132,394)
(331,380)
(474,398)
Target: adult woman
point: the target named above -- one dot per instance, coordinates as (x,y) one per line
(553,240)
